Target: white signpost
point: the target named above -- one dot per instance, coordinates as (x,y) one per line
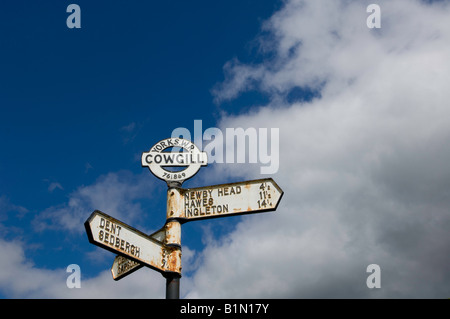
(248,197)
(156,159)
(111,234)
(123,266)
(161,250)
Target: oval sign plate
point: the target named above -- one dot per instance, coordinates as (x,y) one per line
(189,157)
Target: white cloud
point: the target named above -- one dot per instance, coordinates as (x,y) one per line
(364,166)
(128,128)
(117,194)
(6,207)
(20,278)
(87,167)
(53,186)
(129,132)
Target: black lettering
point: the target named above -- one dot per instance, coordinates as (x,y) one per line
(184,143)
(168,159)
(137,252)
(180,159)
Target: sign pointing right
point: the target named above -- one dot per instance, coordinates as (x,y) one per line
(247,197)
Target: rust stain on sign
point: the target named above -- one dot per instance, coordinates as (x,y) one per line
(174,260)
(115,236)
(255,196)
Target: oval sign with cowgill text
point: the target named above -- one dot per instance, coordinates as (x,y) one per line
(178,153)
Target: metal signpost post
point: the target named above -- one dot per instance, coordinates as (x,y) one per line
(161,250)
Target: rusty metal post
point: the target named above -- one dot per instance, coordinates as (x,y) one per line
(173,237)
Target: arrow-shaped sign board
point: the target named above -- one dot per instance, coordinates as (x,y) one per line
(123,267)
(231,199)
(116,236)
(214,201)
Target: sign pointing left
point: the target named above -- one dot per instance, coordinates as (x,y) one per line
(116,236)
(123,266)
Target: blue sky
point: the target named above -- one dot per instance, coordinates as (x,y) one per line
(353,105)
(77,104)
(72,93)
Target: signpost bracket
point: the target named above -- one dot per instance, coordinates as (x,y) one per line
(174,184)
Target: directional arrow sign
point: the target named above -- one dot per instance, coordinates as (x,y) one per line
(123,267)
(231,199)
(111,234)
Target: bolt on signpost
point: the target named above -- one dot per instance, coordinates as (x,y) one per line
(161,250)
